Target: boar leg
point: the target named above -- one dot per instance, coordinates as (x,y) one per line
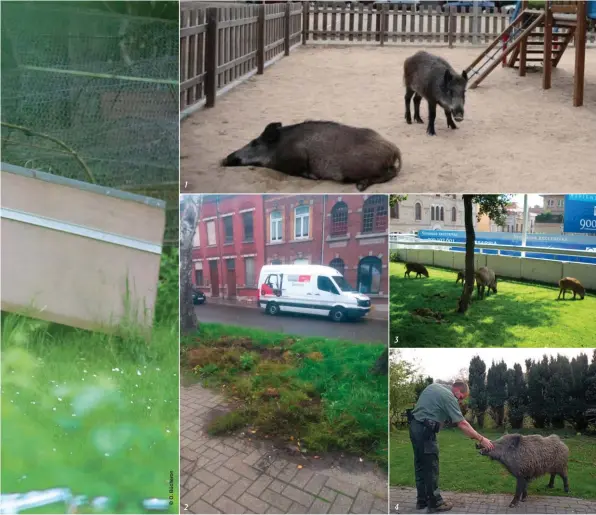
(432,115)
(417,100)
(519,490)
(450,122)
(408,98)
(387,175)
(565,481)
(524,494)
(551,483)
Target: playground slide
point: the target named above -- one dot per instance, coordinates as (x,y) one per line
(591,9)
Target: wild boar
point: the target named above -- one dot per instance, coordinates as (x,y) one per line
(431,77)
(416,267)
(485,278)
(529,457)
(322,150)
(570,283)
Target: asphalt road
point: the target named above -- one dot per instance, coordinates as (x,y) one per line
(365,330)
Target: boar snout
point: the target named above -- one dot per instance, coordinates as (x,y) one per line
(231,160)
(458,115)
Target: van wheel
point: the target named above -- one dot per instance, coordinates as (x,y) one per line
(272,309)
(338,314)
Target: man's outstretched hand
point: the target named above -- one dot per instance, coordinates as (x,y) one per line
(486,443)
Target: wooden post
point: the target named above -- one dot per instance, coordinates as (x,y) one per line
(305,21)
(261,40)
(452,25)
(580,54)
(523,52)
(548,46)
(476,23)
(287,28)
(211,51)
(382,23)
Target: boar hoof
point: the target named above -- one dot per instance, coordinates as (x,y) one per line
(418,119)
(409,120)
(513,504)
(431,132)
(362,185)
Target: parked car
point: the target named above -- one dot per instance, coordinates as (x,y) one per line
(309,289)
(198,297)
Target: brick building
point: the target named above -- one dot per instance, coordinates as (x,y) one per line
(238,234)
(228,249)
(346,232)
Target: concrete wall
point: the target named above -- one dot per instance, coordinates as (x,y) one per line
(529,269)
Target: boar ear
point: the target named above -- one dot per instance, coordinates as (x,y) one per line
(464,74)
(448,77)
(271,132)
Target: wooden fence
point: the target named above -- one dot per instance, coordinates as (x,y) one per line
(220,46)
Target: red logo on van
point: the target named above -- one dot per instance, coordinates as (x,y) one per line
(266,289)
(304,278)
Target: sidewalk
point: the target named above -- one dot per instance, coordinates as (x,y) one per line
(239,475)
(379,311)
(476,503)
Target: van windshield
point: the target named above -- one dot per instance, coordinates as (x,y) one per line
(342,284)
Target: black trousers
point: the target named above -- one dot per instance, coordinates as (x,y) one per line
(426,464)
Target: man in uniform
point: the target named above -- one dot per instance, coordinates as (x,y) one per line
(436,405)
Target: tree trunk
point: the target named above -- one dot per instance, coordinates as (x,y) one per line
(189,216)
(381,366)
(464,301)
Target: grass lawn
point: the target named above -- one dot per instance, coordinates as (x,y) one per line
(519,315)
(462,469)
(317,393)
(93,413)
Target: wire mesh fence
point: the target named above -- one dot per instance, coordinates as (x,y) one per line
(90,92)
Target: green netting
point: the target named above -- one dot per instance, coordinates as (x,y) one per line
(92,93)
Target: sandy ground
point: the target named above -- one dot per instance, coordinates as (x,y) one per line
(516,136)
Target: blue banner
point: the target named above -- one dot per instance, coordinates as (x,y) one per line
(580,214)
(551,241)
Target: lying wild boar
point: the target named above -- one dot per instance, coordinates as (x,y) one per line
(485,278)
(570,283)
(431,77)
(529,457)
(322,150)
(416,267)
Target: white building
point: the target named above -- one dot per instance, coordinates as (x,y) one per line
(434,212)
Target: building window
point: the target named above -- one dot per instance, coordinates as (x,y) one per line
(418,211)
(551,202)
(560,202)
(338,264)
(453,214)
(442,214)
(432,213)
(339,219)
(395,211)
(199,274)
(249,271)
(248,226)
(301,261)
(196,241)
(276,262)
(228,229)
(374,214)
(275,228)
(231,264)
(211,240)
(369,275)
(301,222)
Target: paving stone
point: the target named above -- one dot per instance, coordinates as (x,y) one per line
(342,487)
(363,502)
(201,507)
(298,508)
(206,477)
(277,486)
(259,485)
(226,505)
(277,500)
(300,496)
(238,488)
(227,474)
(194,494)
(315,483)
(327,494)
(216,492)
(252,503)
(253,458)
(319,506)
(342,504)
(288,473)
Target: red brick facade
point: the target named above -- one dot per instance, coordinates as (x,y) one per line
(348,232)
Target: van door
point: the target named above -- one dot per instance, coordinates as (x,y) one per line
(297,294)
(327,294)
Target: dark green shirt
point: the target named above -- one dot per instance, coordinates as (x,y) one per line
(437,402)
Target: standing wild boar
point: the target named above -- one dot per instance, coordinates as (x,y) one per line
(431,77)
(322,150)
(570,283)
(485,278)
(416,267)
(529,457)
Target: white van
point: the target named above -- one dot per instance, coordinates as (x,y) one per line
(309,289)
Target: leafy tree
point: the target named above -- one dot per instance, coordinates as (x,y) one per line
(517,401)
(477,385)
(495,207)
(496,390)
(381,365)
(420,384)
(394,199)
(538,377)
(556,394)
(402,393)
(578,391)
(190,208)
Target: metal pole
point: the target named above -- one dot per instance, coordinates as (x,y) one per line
(525,228)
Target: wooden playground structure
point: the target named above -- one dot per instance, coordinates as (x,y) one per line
(540,36)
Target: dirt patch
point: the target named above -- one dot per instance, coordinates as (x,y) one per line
(230,346)
(428,315)
(514,131)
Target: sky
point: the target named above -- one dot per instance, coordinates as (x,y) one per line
(533,200)
(446,363)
